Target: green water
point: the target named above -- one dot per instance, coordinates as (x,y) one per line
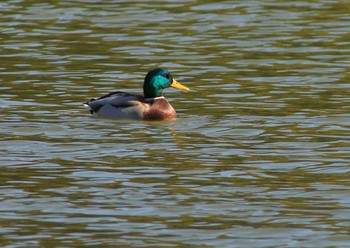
(259,154)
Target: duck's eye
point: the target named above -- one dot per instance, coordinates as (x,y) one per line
(166,76)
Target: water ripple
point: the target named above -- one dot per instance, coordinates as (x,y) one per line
(257,158)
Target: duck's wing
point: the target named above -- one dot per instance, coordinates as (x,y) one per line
(117,105)
(117,99)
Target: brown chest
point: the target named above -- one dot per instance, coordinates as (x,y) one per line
(160,109)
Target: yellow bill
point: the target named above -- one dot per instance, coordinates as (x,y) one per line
(177,85)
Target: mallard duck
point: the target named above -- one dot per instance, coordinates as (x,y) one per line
(151,106)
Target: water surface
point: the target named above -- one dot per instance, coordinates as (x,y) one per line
(259,154)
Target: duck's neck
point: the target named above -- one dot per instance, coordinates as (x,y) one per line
(153,88)
(155,98)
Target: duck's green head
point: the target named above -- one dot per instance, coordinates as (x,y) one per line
(157,80)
